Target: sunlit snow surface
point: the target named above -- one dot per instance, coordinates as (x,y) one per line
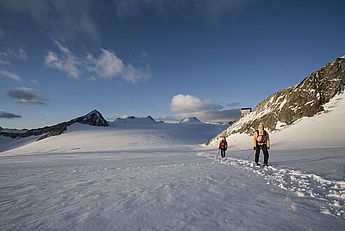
(155,177)
(178,188)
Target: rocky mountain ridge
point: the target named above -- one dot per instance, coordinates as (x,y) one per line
(305,99)
(94,118)
(134,118)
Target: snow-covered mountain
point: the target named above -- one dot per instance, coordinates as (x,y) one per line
(93,118)
(126,133)
(305,99)
(134,121)
(190,120)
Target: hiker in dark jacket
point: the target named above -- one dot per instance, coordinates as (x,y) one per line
(223,146)
(261,141)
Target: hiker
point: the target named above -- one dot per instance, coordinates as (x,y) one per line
(223,146)
(261,141)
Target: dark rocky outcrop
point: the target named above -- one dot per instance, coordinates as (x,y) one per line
(93,118)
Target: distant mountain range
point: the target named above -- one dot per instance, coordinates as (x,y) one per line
(132,120)
(305,99)
(94,118)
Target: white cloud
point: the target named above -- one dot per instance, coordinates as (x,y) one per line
(64,61)
(9,75)
(4,61)
(25,95)
(204,109)
(189,103)
(133,75)
(106,66)
(7,55)
(207,116)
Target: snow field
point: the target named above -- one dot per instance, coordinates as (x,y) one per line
(165,189)
(151,176)
(329,193)
(119,136)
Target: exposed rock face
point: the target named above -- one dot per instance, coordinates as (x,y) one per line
(93,118)
(152,119)
(135,120)
(55,132)
(302,100)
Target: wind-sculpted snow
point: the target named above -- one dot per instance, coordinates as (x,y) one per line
(157,189)
(330,194)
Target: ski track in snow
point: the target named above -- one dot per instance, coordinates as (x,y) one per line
(330,193)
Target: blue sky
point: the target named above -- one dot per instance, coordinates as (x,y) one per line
(168,59)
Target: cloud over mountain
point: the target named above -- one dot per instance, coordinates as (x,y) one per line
(189,103)
(204,109)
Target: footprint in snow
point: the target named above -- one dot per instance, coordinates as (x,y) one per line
(330,193)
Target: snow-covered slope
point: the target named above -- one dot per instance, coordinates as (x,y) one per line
(322,130)
(130,133)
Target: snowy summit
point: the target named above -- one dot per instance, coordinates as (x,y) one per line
(190,120)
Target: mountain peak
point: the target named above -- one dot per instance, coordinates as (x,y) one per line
(190,120)
(93,118)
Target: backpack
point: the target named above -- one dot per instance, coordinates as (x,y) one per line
(264,137)
(223,144)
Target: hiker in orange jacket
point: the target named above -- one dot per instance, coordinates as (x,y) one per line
(261,141)
(223,146)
